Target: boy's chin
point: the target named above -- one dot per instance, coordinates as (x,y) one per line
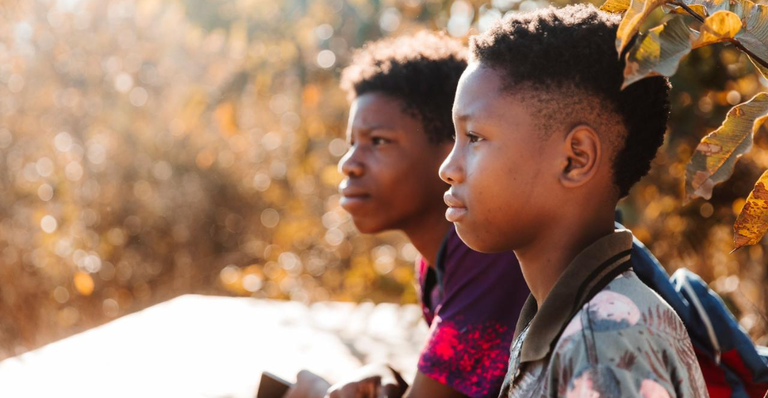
(479,243)
(368,226)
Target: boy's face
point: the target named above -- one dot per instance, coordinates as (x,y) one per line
(502,172)
(391,168)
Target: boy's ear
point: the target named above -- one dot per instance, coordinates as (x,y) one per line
(583,151)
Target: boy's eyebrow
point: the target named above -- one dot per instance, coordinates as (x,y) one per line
(367,130)
(463,117)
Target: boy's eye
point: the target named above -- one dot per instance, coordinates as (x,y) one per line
(473,137)
(376,141)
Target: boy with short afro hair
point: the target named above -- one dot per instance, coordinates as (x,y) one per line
(547,142)
(400,130)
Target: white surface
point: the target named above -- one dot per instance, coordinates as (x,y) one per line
(200,346)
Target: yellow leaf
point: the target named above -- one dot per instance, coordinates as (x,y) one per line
(615,6)
(83,283)
(721,26)
(636,14)
(753,26)
(752,222)
(659,51)
(738,7)
(697,8)
(717,153)
(705,8)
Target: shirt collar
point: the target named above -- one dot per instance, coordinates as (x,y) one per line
(586,270)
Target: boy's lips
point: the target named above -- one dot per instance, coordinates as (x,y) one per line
(351,196)
(456,209)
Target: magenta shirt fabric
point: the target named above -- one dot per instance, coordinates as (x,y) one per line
(471,302)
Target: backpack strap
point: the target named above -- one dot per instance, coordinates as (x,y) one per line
(682,283)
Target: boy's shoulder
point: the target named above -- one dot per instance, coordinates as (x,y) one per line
(627,341)
(625,305)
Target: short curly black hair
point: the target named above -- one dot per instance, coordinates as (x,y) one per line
(422,71)
(564,61)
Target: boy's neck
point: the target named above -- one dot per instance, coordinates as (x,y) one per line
(544,260)
(427,234)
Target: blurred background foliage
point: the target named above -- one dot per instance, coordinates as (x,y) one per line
(153,148)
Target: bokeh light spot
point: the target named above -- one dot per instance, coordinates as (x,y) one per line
(62,142)
(270,218)
(138,96)
(338,147)
(326,59)
(252,282)
(229,274)
(61,294)
(390,19)
(123,82)
(324,31)
(49,224)
(84,283)
(733,97)
(74,171)
(44,166)
(45,192)
(110,307)
(334,236)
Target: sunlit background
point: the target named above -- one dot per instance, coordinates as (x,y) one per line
(155,148)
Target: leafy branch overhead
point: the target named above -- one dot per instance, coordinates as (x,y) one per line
(660,50)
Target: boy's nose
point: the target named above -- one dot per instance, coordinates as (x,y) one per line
(451,170)
(349,165)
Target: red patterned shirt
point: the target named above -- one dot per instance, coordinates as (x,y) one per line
(471,302)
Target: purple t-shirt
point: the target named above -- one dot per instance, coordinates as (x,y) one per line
(471,302)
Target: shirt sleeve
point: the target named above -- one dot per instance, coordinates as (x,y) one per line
(470,337)
(647,360)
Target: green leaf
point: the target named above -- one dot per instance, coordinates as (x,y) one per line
(659,51)
(615,6)
(636,14)
(709,7)
(754,35)
(717,153)
(760,68)
(752,222)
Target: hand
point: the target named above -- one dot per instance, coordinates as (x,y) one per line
(372,381)
(308,385)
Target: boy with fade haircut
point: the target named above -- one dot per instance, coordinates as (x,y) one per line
(400,131)
(547,143)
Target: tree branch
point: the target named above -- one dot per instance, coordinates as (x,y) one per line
(735,42)
(690,11)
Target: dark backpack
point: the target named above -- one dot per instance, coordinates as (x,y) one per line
(731,363)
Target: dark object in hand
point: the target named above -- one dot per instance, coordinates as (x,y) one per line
(272,386)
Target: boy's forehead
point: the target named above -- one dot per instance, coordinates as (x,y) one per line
(480,92)
(374,109)
(379,112)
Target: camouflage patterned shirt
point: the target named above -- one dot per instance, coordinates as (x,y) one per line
(623,342)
